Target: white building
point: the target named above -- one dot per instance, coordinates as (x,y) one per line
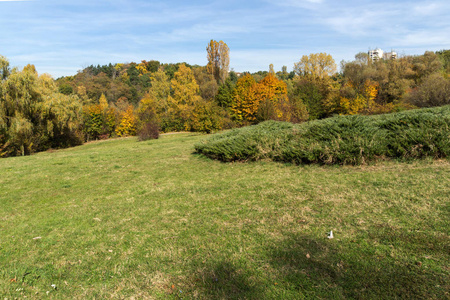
(378,54)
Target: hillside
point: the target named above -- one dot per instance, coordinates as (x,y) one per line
(121,218)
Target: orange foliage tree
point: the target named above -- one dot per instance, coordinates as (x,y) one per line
(264,100)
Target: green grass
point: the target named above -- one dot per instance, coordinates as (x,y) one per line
(121,218)
(344,140)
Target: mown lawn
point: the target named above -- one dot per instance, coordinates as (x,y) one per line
(121,218)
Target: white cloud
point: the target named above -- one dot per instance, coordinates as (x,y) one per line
(423,38)
(427,9)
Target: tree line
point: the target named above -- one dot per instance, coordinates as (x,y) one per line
(38,113)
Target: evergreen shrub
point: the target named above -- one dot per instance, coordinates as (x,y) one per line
(350,140)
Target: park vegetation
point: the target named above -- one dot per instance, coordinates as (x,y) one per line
(350,140)
(125,99)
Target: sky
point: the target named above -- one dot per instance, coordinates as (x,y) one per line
(62,37)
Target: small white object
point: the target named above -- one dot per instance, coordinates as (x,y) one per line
(37,238)
(330,235)
(54,286)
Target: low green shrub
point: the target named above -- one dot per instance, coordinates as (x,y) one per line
(248,143)
(338,140)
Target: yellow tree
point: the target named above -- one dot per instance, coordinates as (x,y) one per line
(243,106)
(316,65)
(218,55)
(370,93)
(185,88)
(127,125)
(103,102)
(271,70)
(184,98)
(160,90)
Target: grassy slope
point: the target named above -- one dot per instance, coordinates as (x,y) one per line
(119,218)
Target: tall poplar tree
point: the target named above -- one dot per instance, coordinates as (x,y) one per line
(218,55)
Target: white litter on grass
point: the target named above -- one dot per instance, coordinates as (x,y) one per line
(37,238)
(330,235)
(53,286)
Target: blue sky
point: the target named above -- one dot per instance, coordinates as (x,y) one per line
(61,37)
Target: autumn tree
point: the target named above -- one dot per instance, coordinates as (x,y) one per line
(425,65)
(128,122)
(243,105)
(434,91)
(271,69)
(103,102)
(272,94)
(185,95)
(218,55)
(316,65)
(264,100)
(147,119)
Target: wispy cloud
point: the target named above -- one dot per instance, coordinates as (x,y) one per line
(62,35)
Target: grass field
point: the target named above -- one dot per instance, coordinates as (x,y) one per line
(123,219)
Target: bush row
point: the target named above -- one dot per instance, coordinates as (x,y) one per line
(339,140)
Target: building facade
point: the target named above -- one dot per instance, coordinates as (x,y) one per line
(378,54)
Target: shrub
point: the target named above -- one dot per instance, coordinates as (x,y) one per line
(339,140)
(148,131)
(248,143)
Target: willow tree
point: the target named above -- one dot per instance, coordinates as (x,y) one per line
(218,55)
(34,116)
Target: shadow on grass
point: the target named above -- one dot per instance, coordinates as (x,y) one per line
(306,267)
(355,270)
(226,280)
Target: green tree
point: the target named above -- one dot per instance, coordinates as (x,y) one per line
(444,55)
(206,82)
(224,97)
(34,116)
(308,92)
